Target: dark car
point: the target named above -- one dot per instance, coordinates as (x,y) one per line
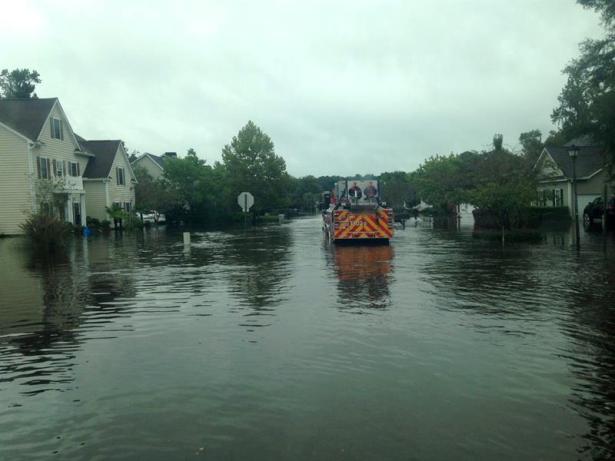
(592,214)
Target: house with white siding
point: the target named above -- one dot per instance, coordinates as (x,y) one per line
(108,178)
(153,164)
(45,166)
(554,174)
(41,163)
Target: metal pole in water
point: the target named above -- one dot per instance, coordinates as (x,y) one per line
(186,238)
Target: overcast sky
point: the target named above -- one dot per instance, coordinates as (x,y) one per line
(342,87)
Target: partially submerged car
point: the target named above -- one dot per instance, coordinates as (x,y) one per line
(594,210)
(153,217)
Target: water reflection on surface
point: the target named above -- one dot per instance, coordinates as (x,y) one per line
(363,274)
(135,347)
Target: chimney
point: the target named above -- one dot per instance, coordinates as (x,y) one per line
(170,154)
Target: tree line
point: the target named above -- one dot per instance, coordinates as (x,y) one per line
(195,192)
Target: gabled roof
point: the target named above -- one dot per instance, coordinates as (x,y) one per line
(26,116)
(157,159)
(104,151)
(590,160)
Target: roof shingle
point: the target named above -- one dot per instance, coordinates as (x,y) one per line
(104,151)
(26,116)
(590,159)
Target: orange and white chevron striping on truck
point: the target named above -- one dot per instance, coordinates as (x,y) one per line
(356,214)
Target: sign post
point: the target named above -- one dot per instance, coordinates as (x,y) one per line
(245,200)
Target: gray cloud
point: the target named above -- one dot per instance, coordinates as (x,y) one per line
(341,87)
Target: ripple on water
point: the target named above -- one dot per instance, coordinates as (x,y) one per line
(268,344)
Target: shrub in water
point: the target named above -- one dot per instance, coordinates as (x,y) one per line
(46,232)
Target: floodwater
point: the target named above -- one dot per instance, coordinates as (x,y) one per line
(269,344)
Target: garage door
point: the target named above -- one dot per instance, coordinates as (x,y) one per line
(584,200)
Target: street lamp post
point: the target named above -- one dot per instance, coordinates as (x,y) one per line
(573,152)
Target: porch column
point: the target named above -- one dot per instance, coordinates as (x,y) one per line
(69,210)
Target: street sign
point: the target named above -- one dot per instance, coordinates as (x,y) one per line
(245,201)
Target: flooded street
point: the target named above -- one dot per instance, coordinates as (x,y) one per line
(269,344)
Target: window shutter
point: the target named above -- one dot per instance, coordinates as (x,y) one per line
(55,166)
(78,169)
(38,167)
(117,176)
(48,168)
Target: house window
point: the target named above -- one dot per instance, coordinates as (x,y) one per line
(127,207)
(43,166)
(59,168)
(120,176)
(57,130)
(74,169)
(555,197)
(559,197)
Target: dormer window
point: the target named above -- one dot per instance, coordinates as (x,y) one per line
(57,131)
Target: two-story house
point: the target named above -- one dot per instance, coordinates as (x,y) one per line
(153,164)
(41,163)
(108,178)
(44,165)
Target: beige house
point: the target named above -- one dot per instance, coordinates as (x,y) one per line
(153,164)
(43,165)
(554,170)
(108,178)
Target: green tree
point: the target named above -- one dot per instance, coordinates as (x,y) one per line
(193,195)
(504,187)
(443,181)
(606,8)
(396,189)
(153,194)
(531,145)
(586,104)
(498,141)
(251,165)
(18,83)
(304,192)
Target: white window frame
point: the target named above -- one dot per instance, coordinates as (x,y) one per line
(57,128)
(59,168)
(74,169)
(120,176)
